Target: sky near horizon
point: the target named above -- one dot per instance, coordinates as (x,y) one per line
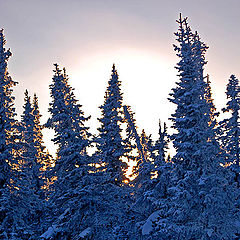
(87,37)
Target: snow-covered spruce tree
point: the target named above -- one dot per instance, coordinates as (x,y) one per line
(230,127)
(111,196)
(27,198)
(229,135)
(7,134)
(32,147)
(203,198)
(110,144)
(69,199)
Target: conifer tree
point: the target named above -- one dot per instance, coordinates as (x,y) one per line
(229,133)
(70,204)
(201,206)
(27,202)
(111,196)
(7,134)
(110,144)
(187,94)
(31,154)
(230,128)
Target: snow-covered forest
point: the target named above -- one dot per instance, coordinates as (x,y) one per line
(87,190)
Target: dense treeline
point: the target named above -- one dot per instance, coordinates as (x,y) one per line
(77,195)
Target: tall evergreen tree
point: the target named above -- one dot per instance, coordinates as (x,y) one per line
(27,205)
(203,198)
(188,96)
(111,194)
(31,154)
(72,164)
(110,144)
(7,133)
(230,127)
(228,136)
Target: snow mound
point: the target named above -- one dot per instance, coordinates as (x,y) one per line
(147,227)
(84,233)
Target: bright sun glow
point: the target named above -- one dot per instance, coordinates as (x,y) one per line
(141,72)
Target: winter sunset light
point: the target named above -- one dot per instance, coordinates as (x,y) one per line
(119,120)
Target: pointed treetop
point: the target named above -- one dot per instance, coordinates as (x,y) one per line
(64,72)
(113,68)
(181,19)
(114,71)
(184,31)
(232,76)
(2,39)
(56,70)
(6,54)
(1,33)
(180,16)
(159,123)
(35,100)
(27,108)
(35,106)
(27,97)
